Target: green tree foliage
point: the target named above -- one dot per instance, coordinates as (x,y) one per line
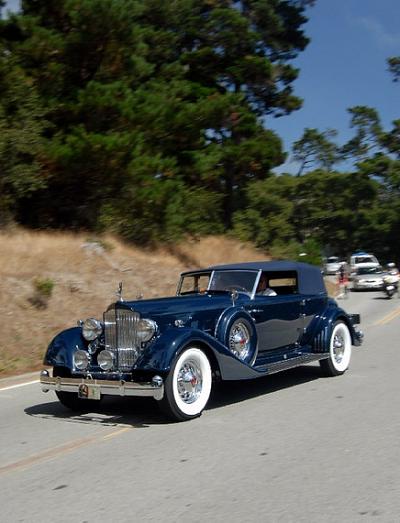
(289,215)
(152,103)
(266,219)
(394,67)
(150,118)
(367,140)
(316,149)
(22,152)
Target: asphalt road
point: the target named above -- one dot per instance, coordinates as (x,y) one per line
(294,447)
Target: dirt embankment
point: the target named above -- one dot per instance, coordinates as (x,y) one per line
(50,280)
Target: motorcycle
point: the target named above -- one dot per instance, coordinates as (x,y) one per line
(390,286)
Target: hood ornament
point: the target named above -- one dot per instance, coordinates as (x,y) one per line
(119,292)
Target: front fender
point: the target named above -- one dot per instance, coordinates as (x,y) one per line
(59,352)
(160,356)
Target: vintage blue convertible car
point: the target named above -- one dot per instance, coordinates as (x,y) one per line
(230,322)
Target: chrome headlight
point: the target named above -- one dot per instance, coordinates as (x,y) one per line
(146,329)
(81,359)
(106,360)
(91,329)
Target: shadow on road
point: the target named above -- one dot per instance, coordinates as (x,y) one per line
(144,412)
(109,412)
(228,392)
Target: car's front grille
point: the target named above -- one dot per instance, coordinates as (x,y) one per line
(120,335)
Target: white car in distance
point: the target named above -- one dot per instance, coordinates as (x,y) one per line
(362,260)
(332,265)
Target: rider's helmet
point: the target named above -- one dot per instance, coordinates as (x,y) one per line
(392,269)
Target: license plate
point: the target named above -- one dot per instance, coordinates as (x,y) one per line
(89,392)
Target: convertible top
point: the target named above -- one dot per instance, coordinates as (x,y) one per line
(310,279)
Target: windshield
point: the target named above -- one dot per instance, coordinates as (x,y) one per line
(332,259)
(230,280)
(194,283)
(242,281)
(369,270)
(365,259)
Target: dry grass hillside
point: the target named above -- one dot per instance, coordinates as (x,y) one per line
(84,275)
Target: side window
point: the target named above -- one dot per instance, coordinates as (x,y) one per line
(283,283)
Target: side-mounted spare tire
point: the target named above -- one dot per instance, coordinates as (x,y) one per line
(236,330)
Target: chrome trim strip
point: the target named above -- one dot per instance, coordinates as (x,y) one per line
(154,388)
(210,280)
(178,288)
(256,285)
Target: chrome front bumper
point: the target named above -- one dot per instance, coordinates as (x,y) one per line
(95,388)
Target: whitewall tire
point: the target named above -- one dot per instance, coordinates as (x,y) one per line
(339,351)
(187,387)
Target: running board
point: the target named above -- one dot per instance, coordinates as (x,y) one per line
(290,363)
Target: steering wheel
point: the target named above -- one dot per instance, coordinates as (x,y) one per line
(232,288)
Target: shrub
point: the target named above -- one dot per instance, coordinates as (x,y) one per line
(43,289)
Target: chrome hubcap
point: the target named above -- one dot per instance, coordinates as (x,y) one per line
(239,340)
(190,382)
(338,347)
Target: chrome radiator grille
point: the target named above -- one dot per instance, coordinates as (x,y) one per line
(120,335)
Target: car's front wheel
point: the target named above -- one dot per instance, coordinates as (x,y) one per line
(187,387)
(339,351)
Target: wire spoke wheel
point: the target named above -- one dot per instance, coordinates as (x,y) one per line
(190,381)
(240,340)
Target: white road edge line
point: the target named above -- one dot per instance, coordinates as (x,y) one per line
(19,385)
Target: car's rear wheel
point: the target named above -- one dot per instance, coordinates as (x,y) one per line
(339,351)
(187,387)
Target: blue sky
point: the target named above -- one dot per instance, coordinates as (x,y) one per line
(344,65)
(13,5)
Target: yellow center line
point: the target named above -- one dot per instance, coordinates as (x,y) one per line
(389,317)
(116,433)
(59,451)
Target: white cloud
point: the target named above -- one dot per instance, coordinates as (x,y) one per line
(378,32)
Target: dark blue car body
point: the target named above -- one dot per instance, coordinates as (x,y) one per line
(242,333)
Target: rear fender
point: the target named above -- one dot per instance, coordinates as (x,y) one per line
(320,331)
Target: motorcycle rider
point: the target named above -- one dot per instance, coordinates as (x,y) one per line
(391,279)
(393,270)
